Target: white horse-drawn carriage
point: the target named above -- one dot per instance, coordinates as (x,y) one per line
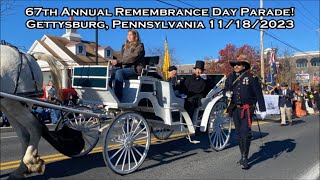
(148,105)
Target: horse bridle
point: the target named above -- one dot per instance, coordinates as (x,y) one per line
(21,55)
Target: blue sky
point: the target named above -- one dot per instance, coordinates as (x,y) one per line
(189,45)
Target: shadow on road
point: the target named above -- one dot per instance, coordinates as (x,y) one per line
(297,121)
(271,150)
(159,154)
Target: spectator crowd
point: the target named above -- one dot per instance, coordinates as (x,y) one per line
(304,102)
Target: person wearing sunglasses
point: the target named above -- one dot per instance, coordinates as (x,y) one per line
(244,90)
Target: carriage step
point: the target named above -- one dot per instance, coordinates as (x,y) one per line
(192,141)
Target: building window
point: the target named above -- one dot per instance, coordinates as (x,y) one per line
(80,49)
(182,71)
(108,52)
(302,63)
(315,62)
(190,71)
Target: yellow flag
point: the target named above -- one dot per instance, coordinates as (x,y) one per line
(166,60)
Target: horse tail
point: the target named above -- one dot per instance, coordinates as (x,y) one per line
(55,70)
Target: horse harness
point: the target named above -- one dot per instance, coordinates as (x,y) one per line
(21,55)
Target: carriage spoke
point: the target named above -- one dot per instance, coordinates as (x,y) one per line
(124,158)
(136,139)
(137,151)
(140,145)
(128,125)
(131,126)
(134,157)
(93,125)
(120,157)
(136,127)
(217,139)
(224,133)
(220,139)
(124,133)
(128,151)
(115,152)
(139,132)
(214,131)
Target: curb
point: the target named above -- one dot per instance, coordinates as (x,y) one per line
(10,129)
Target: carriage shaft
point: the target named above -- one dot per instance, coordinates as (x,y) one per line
(49,105)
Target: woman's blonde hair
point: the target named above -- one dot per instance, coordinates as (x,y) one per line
(136,39)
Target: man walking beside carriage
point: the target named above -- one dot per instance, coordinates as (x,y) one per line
(244,90)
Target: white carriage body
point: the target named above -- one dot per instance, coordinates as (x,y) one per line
(159,93)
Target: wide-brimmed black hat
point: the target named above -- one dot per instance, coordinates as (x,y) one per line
(171,68)
(200,65)
(243,60)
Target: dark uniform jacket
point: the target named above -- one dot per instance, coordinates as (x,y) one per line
(285,99)
(247,90)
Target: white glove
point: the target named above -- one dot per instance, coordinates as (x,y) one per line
(203,76)
(263,115)
(229,94)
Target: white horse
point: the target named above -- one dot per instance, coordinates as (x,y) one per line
(20,74)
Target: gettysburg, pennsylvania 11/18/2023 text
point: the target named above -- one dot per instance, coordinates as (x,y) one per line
(252,24)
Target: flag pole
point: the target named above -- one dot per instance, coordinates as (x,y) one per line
(96,35)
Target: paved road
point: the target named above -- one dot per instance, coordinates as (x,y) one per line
(290,152)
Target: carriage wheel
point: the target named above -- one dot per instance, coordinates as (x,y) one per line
(219,127)
(126,143)
(89,127)
(161,132)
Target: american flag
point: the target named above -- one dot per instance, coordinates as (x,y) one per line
(272,62)
(272,71)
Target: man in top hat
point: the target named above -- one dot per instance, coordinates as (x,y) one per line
(196,88)
(285,103)
(244,90)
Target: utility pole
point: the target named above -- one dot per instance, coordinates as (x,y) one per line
(97,42)
(261,48)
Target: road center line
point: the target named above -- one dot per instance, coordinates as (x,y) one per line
(8,137)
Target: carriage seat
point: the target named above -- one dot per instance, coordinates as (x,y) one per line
(149,67)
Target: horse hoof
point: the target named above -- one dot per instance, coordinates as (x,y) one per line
(38,167)
(42,167)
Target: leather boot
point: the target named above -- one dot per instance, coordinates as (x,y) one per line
(244,155)
(241,149)
(118,89)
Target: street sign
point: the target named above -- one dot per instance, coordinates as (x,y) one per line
(302,77)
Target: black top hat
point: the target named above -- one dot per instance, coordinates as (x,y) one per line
(200,65)
(284,84)
(171,68)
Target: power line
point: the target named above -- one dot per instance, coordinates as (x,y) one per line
(308,11)
(267,33)
(305,17)
(168,3)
